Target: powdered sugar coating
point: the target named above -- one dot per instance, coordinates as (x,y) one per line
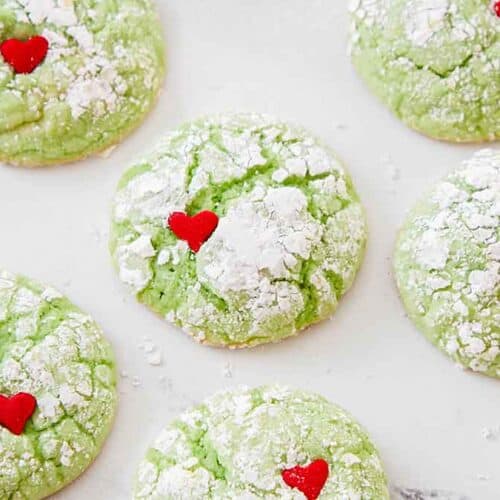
(235,445)
(290,238)
(50,349)
(101,75)
(448,264)
(435,63)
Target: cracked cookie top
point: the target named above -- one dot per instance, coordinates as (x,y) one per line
(239,444)
(435,63)
(447,264)
(55,353)
(101,73)
(286,230)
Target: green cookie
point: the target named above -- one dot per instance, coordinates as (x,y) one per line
(434,63)
(447,264)
(101,75)
(53,352)
(247,444)
(290,237)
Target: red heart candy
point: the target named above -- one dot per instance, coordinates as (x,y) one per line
(24,57)
(309,480)
(15,411)
(195,230)
(496,8)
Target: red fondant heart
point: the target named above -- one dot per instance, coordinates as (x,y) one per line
(24,57)
(309,480)
(16,410)
(496,8)
(195,230)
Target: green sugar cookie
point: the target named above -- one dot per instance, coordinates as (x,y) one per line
(434,63)
(76,76)
(57,390)
(447,264)
(239,229)
(265,443)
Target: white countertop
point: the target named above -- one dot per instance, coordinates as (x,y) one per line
(288,58)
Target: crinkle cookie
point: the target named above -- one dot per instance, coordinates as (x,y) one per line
(447,264)
(57,390)
(239,229)
(435,63)
(265,443)
(76,76)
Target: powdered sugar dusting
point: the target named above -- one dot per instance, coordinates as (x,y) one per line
(426,19)
(256,245)
(93,72)
(85,90)
(250,437)
(433,62)
(288,221)
(448,266)
(58,12)
(55,352)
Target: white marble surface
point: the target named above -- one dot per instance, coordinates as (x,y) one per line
(286,57)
